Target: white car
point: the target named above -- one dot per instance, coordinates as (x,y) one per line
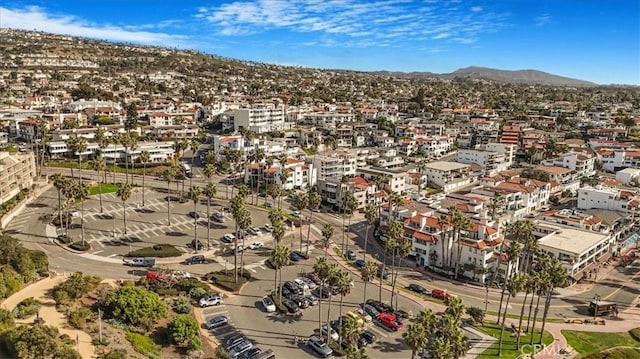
(209,300)
(309,283)
(268,304)
(229,238)
(256,245)
(300,283)
(334,335)
(255,231)
(240,249)
(268,227)
(181,274)
(367,318)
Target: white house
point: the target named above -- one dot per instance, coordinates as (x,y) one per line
(448,175)
(582,164)
(613,199)
(628,176)
(260,118)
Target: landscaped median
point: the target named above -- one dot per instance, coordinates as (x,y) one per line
(510,348)
(225,279)
(595,345)
(158,251)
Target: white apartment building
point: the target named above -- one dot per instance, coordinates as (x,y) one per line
(333,191)
(613,199)
(260,118)
(298,173)
(578,250)
(392,180)
(492,162)
(437,146)
(448,175)
(628,176)
(17,171)
(161,151)
(582,164)
(616,159)
(328,119)
(334,165)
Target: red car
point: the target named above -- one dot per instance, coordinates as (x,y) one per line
(390,321)
(440,294)
(314,278)
(153,275)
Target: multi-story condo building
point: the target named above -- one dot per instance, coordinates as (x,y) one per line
(628,176)
(511,135)
(448,176)
(613,199)
(581,163)
(330,165)
(616,159)
(260,118)
(17,171)
(493,158)
(333,191)
(160,151)
(390,180)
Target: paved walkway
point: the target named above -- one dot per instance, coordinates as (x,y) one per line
(49,313)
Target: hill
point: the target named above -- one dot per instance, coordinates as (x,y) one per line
(533,77)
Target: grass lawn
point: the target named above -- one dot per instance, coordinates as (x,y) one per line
(160,251)
(106,188)
(509,344)
(591,342)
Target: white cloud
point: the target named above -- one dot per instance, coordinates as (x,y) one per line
(33,17)
(370,22)
(542,20)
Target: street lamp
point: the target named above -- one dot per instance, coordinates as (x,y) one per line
(596,298)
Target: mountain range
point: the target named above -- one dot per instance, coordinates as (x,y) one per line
(530,77)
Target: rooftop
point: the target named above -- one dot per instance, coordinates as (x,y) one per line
(568,239)
(446,166)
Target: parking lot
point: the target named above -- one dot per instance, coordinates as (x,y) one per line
(149,225)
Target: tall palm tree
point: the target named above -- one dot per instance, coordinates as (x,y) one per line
(59,182)
(169,175)
(327,234)
(79,146)
(344,180)
(244,222)
(367,274)
(133,145)
(395,234)
(82,192)
(145,156)
(233,156)
(343,286)
(443,225)
(278,230)
(350,205)
(210,192)
(279,258)
(403,249)
(300,203)
(527,287)
(415,337)
(512,253)
(544,286)
(194,144)
(371,215)
(258,156)
(124,192)
(103,142)
(43,130)
(274,191)
(516,284)
(99,165)
(558,279)
(69,192)
(125,141)
(350,333)
(194,194)
(321,268)
(529,242)
(462,223)
(313,203)
(331,280)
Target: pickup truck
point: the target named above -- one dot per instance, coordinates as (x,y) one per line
(390,321)
(141,262)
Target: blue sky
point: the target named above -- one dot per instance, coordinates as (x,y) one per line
(591,40)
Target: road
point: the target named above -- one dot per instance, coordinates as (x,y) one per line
(29,227)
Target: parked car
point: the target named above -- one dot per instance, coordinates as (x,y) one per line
(256,245)
(286,292)
(312,299)
(252,353)
(332,333)
(362,342)
(301,301)
(239,249)
(240,348)
(367,318)
(359,262)
(389,321)
(209,300)
(295,257)
(229,238)
(255,231)
(291,306)
(323,292)
(314,277)
(418,289)
(233,341)
(197,259)
(194,215)
(380,307)
(351,255)
(319,346)
(309,283)
(371,310)
(382,272)
(218,217)
(268,304)
(195,244)
(355,316)
(268,227)
(440,294)
(368,336)
(141,262)
(216,322)
(296,214)
(301,284)
(293,287)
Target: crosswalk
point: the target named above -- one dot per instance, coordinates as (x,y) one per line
(18,223)
(112,206)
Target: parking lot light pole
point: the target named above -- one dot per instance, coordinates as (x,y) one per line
(596,298)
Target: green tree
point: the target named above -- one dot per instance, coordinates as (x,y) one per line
(59,182)
(124,193)
(99,165)
(300,203)
(135,306)
(350,204)
(194,195)
(327,234)
(415,338)
(145,156)
(313,203)
(343,286)
(279,258)
(367,274)
(184,329)
(210,192)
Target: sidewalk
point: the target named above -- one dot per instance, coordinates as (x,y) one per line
(49,313)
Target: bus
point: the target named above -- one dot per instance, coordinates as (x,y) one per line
(187,170)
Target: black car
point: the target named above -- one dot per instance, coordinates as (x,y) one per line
(253,352)
(418,289)
(336,325)
(233,341)
(195,260)
(381,307)
(362,342)
(194,215)
(368,336)
(292,307)
(323,292)
(382,272)
(301,301)
(286,292)
(293,288)
(195,244)
(351,255)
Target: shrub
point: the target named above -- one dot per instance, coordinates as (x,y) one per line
(76,286)
(79,246)
(143,345)
(635,334)
(184,329)
(63,239)
(27,308)
(162,251)
(78,317)
(187,284)
(104,342)
(182,305)
(115,354)
(135,306)
(197,292)
(476,314)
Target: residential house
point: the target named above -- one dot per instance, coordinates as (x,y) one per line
(17,171)
(449,176)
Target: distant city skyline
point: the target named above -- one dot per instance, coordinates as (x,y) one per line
(584,39)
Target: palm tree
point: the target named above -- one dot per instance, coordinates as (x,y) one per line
(403,249)
(81,193)
(194,144)
(443,225)
(313,202)
(367,274)
(124,192)
(244,222)
(103,142)
(278,230)
(43,129)
(415,338)
(194,194)
(258,156)
(455,308)
(343,181)
(300,203)
(331,280)
(558,279)
(391,249)
(512,253)
(461,223)
(371,215)
(79,146)
(145,156)
(125,141)
(350,205)
(169,176)
(343,286)
(321,268)
(528,286)
(516,284)
(525,230)
(69,192)
(59,182)
(232,155)
(210,192)
(327,234)
(544,286)
(279,258)
(133,145)
(99,165)
(274,191)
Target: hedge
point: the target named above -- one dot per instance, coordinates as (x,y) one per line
(226,279)
(159,251)
(79,246)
